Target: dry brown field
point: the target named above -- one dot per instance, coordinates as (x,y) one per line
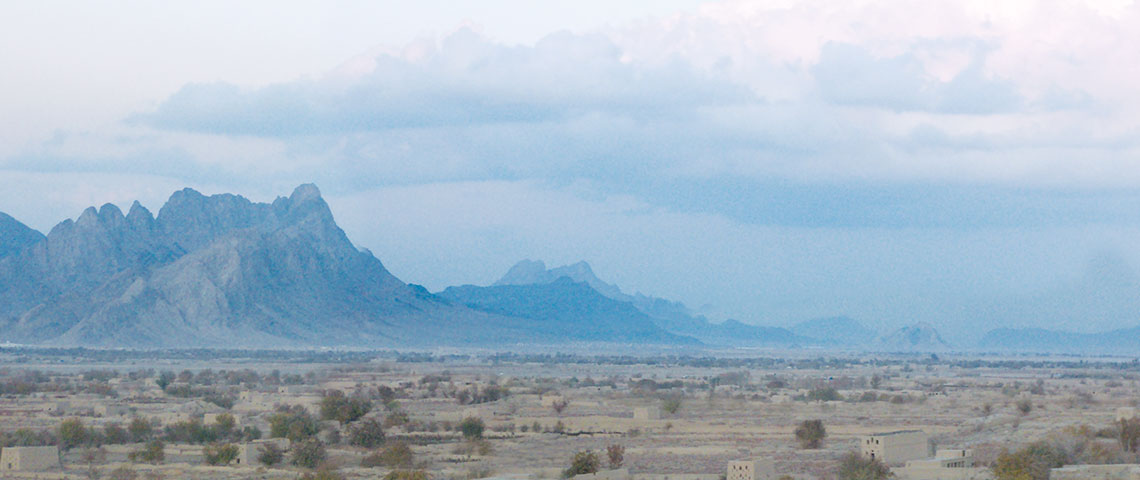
(733,408)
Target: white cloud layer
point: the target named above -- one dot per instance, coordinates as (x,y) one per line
(1021,93)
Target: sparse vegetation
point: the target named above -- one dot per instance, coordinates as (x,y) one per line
(366,433)
(309,453)
(220,453)
(810,434)
(560,405)
(396,455)
(1031,462)
(153,451)
(855,467)
(472,428)
(337,406)
(616,455)
(269,454)
(581,463)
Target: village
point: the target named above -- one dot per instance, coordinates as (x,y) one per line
(470,417)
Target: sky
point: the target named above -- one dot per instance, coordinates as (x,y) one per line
(970,164)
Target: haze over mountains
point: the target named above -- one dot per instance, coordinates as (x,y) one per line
(221,271)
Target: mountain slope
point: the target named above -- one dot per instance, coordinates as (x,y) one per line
(221,271)
(571,309)
(1039,340)
(15,236)
(920,337)
(673,317)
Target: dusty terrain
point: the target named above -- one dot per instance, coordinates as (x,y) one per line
(724,409)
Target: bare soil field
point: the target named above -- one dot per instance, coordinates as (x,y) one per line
(467,416)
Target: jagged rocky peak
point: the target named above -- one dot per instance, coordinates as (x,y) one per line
(578,270)
(304,204)
(192,220)
(525,272)
(139,217)
(89,217)
(305,192)
(110,212)
(529,272)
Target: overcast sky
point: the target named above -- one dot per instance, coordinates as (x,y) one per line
(964,163)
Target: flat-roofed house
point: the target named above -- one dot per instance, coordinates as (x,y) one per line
(29,459)
(751,470)
(894,448)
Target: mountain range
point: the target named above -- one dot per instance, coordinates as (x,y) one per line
(671,316)
(222,271)
(1125,341)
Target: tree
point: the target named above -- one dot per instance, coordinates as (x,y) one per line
(560,405)
(220,453)
(855,467)
(269,454)
(139,429)
(671,404)
(472,428)
(810,434)
(225,424)
(397,455)
(72,433)
(616,455)
(368,434)
(309,454)
(91,457)
(1129,434)
(823,394)
(114,434)
(583,462)
(1032,462)
(1024,406)
(164,379)
(296,424)
(336,406)
(876,381)
(154,452)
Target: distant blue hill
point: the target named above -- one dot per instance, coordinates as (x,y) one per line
(671,316)
(1121,341)
(569,309)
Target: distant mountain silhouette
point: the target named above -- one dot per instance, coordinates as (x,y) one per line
(918,337)
(569,308)
(839,331)
(673,317)
(1039,340)
(221,271)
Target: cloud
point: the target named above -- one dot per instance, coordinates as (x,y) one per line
(851,75)
(466,81)
(802,91)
